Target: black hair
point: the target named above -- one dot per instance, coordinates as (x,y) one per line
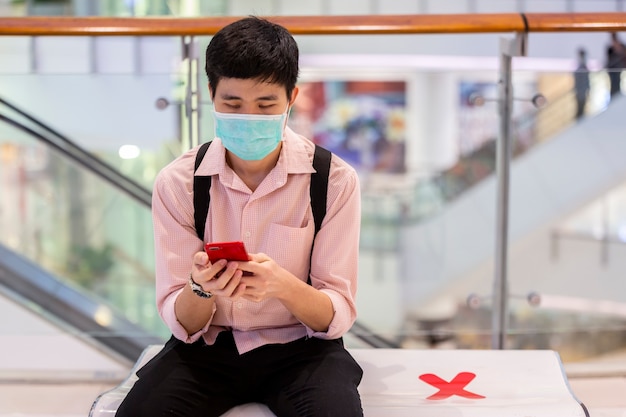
(253,48)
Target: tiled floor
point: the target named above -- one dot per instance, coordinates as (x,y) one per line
(603,397)
(20,399)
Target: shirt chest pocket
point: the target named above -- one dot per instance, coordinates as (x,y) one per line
(291,247)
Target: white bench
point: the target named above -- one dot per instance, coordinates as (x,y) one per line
(434,383)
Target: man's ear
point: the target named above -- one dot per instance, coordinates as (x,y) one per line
(210,91)
(294,94)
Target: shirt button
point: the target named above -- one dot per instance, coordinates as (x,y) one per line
(248,234)
(239,305)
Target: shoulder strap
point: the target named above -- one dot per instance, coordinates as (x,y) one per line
(319,185)
(201,196)
(318,188)
(319,192)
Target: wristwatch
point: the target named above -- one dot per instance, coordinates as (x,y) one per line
(197,288)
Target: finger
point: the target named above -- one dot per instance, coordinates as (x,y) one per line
(239,291)
(203,274)
(250,267)
(227,273)
(201,259)
(233,285)
(259,257)
(232,295)
(215,270)
(251,283)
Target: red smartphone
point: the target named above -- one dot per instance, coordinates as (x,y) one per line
(231,251)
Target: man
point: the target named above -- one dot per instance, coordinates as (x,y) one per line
(274,334)
(581,83)
(615,63)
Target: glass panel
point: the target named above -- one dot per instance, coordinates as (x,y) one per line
(602,220)
(423,143)
(79,227)
(427,243)
(115,117)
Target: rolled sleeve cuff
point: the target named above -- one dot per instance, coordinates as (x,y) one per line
(177,329)
(342,319)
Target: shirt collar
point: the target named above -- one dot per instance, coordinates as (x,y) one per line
(294,158)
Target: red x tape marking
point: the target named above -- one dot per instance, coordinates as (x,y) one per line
(454,387)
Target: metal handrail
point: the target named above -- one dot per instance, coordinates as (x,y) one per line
(67,147)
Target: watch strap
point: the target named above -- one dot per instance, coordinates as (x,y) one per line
(197,288)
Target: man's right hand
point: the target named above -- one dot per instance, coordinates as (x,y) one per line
(222,279)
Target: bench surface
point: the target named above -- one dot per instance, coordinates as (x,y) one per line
(439,383)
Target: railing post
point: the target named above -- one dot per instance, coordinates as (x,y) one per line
(192,99)
(33,50)
(508,49)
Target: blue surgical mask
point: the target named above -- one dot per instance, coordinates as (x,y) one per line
(250,136)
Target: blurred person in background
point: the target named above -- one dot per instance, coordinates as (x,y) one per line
(615,63)
(581,83)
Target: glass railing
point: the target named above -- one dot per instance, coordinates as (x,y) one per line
(68,214)
(478,126)
(118,8)
(397,201)
(444,289)
(79,220)
(414,279)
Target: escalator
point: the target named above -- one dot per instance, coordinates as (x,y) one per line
(77,239)
(56,251)
(548,183)
(386,214)
(88,315)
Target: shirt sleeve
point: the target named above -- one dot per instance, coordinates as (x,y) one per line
(334,262)
(175,240)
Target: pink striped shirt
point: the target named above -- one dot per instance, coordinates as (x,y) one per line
(275,219)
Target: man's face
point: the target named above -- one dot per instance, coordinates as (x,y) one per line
(250,96)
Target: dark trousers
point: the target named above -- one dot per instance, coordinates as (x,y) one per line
(581,101)
(615,79)
(307,377)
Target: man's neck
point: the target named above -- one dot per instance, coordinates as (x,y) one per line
(252,173)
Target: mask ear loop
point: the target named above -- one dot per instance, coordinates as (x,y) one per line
(214,122)
(287,113)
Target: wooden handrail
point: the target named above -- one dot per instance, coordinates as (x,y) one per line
(576,22)
(318,25)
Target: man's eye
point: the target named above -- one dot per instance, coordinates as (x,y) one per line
(266,106)
(232,106)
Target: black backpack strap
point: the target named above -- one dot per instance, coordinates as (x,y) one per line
(319,192)
(319,185)
(201,190)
